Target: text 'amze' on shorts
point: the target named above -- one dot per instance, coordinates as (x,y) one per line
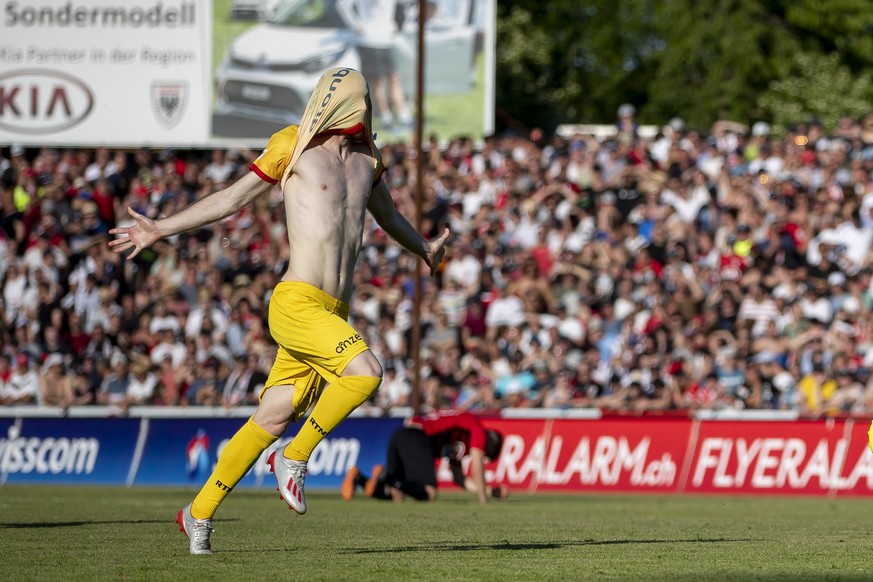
(346,343)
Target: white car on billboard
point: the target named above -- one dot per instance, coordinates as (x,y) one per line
(270,70)
(252,9)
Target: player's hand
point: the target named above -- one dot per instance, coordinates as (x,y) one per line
(436,251)
(141,235)
(500,491)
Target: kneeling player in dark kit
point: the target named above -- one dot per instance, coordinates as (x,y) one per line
(413,450)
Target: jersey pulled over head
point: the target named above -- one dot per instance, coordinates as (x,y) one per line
(340,104)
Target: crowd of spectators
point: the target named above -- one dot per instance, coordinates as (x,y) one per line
(725,268)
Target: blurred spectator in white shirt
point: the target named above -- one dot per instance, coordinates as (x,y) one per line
(22,387)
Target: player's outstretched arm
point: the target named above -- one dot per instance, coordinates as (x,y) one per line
(145,231)
(477,474)
(381,206)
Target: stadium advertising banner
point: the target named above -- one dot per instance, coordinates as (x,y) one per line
(600,455)
(188,73)
(269,55)
(184,451)
(655,455)
(104,72)
(83,451)
(683,455)
(782,457)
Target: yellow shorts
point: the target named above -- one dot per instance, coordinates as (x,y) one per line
(316,342)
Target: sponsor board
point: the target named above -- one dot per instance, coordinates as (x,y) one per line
(102,72)
(658,455)
(38,450)
(43,101)
(261,86)
(172,73)
(682,455)
(184,451)
(591,455)
(782,457)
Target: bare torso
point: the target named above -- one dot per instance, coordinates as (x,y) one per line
(325,201)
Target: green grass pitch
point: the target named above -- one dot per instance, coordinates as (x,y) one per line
(91,533)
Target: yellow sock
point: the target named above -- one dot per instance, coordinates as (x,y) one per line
(234,462)
(336,402)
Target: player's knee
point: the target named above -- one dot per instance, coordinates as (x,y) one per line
(431,492)
(372,383)
(275,410)
(364,385)
(364,364)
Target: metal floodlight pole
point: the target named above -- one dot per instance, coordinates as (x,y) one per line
(419,203)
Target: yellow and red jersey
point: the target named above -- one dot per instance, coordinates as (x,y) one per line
(273,161)
(271,164)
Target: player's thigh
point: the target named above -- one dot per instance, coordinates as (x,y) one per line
(276,409)
(315,337)
(291,387)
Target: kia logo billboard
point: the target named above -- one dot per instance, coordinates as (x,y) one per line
(37,101)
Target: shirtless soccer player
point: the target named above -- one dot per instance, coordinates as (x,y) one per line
(331,173)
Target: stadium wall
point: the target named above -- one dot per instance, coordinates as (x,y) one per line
(550,451)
